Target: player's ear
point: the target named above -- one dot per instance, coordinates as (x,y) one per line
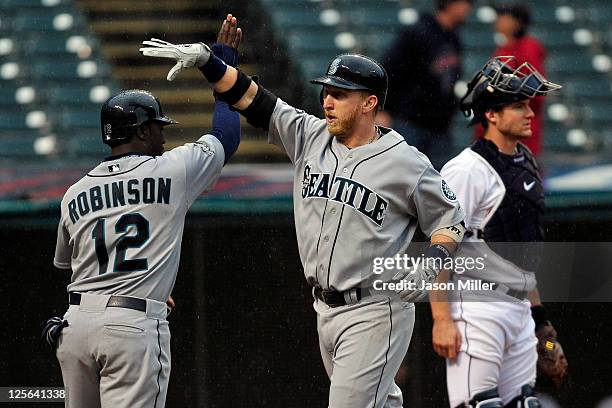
(143,132)
(370,103)
(491,116)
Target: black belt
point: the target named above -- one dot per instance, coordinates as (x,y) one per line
(114,301)
(333,298)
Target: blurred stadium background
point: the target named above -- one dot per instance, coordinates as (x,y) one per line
(244,333)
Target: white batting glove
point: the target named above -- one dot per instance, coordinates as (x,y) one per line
(185,55)
(416,277)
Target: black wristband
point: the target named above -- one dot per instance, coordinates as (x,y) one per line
(214,69)
(538,313)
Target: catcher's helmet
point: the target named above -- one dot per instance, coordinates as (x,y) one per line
(498,84)
(357,72)
(123,113)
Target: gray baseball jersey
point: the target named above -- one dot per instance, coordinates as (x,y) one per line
(122,224)
(351,205)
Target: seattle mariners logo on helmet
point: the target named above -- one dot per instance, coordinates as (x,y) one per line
(356,72)
(334,66)
(448,193)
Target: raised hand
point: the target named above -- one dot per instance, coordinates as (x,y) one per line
(185,55)
(230,34)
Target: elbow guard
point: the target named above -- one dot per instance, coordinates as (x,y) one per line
(259,112)
(237,91)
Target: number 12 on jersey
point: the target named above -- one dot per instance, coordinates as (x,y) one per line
(125,242)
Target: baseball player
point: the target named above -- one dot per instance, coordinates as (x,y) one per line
(490,346)
(360,192)
(120,236)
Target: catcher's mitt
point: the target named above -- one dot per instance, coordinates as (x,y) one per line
(552,363)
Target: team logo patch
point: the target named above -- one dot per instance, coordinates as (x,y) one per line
(334,66)
(448,193)
(205,148)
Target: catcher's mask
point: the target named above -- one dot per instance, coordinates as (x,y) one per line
(498,84)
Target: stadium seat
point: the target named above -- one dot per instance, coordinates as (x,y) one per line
(296,19)
(68,69)
(374,18)
(308,41)
(590,88)
(85,142)
(478,39)
(78,95)
(599,114)
(11,119)
(57,42)
(295,5)
(51,19)
(544,13)
(80,119)
(18,144)
(555,136)
(555,37)
(376,43)
(474,61)
(7,95)
(8,4)
(570,64)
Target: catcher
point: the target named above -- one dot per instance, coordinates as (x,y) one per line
(495,348)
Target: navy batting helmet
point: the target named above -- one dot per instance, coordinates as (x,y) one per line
(356,72)
(498,84)
(123,113)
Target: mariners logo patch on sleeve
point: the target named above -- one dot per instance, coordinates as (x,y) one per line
(205,147)
(448,193)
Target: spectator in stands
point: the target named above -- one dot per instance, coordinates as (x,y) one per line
(512,24)
(423,65)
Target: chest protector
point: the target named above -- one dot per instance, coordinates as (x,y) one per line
(519,216)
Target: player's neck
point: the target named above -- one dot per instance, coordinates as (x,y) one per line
(124,148)
(363,133)
(360,139)
(506,145)
(133,146)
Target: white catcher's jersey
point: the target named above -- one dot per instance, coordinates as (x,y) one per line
(122,224)
(480,191)
(352,205)
(478,187)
